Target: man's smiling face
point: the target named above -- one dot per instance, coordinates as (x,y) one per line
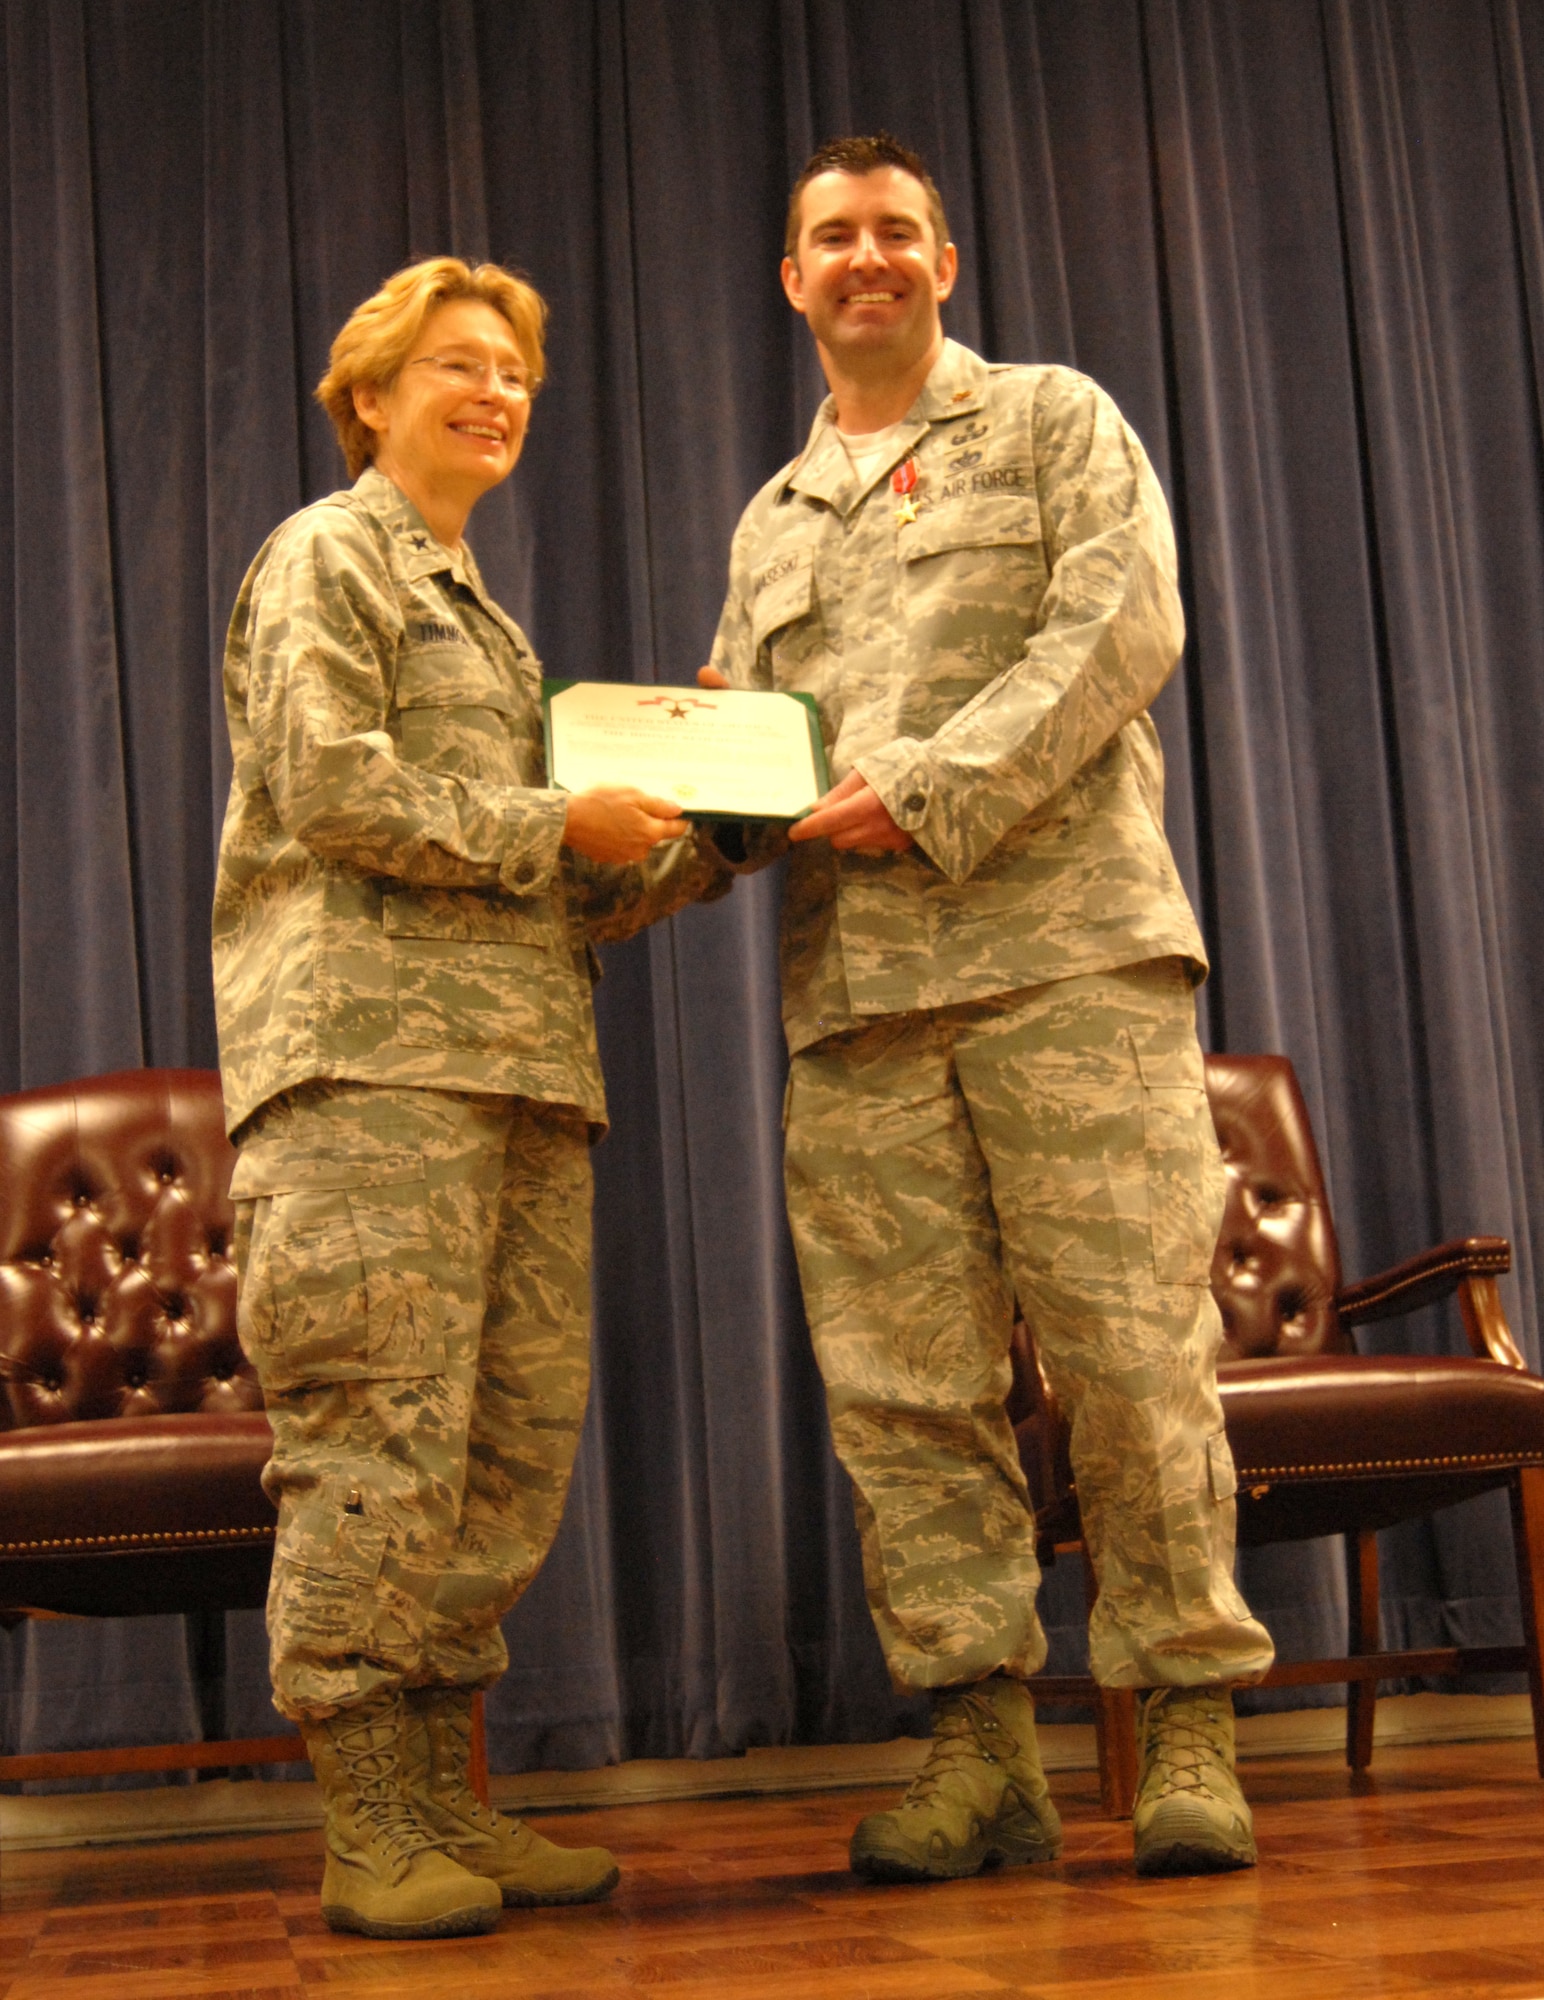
(868,274)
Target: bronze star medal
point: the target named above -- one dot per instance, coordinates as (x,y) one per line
(677,707)
(904,481)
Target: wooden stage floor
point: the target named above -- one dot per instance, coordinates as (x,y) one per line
(1427,1880)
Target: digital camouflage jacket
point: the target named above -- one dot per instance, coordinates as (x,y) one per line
(393,902)
(983,650)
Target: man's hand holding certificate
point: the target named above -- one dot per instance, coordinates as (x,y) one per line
(851,815)
(719,753)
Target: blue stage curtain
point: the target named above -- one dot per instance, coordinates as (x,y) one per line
(1302,242)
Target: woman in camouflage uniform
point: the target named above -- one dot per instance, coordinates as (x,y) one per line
(402,931)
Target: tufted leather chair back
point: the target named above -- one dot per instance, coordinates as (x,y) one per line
(1277,1266)
(117,1293)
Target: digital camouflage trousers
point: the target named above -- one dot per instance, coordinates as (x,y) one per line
(415,1298)
(1054,1144)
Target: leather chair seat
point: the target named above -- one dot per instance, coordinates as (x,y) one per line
(1327,1443)
(175,1501)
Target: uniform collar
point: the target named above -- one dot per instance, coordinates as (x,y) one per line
(954,388)
(420,552)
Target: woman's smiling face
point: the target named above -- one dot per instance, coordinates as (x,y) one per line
(453,422)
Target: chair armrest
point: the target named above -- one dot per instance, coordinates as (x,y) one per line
(1469,1266)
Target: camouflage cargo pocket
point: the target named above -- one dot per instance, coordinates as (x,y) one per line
(1184,1170)
(338,1278)
(470,971)
(325,1573)
(1221,1473)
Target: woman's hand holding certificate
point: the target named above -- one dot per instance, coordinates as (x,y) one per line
(619,823)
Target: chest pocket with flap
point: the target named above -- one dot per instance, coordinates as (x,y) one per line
(1009,519)
(782,593)
(460,716)
(972,576)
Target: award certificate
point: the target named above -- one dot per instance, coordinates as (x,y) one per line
(719,753)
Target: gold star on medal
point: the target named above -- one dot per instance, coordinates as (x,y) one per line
(906,513)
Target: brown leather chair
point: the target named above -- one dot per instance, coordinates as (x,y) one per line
(1326,1440)
(132,1435)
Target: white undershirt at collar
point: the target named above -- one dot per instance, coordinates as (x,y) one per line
(868,449)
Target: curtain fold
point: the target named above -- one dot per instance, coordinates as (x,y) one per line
(1302,244)
(78,981)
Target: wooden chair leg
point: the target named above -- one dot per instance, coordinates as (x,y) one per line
(1362,1696)
(1527,1493)
(1115,1728)
(478,1766)
(1115,1732)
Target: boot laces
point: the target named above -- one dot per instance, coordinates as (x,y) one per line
(966,1730)
(370,1751)
(1186,1740)
(450,1782)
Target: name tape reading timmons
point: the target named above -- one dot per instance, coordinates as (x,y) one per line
(721,754)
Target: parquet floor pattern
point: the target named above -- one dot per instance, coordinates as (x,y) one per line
(1427,1880)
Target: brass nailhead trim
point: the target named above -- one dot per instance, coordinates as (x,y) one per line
(1480,1264)
(161,1535)
(1475,1458)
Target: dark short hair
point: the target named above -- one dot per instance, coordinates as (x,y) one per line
(864,156)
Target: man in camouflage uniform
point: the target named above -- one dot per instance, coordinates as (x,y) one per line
(995,1087)
(402,930)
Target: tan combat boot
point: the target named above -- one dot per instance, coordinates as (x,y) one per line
(1190,1817)
(980,1798)
(385,1874)
(437,1746)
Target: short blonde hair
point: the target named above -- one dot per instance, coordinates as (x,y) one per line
(378,336)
